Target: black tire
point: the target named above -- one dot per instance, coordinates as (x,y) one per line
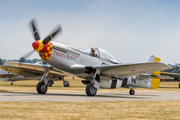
(179,85)
(49,83)
(66,84)
(41,88)
(11,83)
(90,90)
(131,92)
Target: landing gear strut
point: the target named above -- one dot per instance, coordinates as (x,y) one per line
(131,92)
(42,85)
(91,90)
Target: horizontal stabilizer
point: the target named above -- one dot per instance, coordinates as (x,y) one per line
(175,75)
(157,76)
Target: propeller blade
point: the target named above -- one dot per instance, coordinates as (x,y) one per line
(57,30)
(34,29)
(27,55)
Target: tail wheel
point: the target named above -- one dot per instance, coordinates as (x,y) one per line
(90,90)
(41,88)
(131,92)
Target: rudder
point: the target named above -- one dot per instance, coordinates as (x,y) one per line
(155,82)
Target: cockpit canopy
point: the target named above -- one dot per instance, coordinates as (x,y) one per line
(102,54)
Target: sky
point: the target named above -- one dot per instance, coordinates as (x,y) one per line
(131,30)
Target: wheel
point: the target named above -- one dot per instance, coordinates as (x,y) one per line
(11,83)
(90,90)
(66,84)
(131,92)
(179,85)
(41,88)
(50,83)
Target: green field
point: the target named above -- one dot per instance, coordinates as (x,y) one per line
(85,110)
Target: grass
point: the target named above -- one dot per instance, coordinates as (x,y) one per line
(90,110)
(83,110)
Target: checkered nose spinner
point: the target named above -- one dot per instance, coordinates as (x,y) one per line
(44,50)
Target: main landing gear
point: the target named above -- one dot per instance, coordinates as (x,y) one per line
(131,92)
(179,85)
(11,83)
(91,90)
(42,85)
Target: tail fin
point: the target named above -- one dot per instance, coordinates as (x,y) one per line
(155,82)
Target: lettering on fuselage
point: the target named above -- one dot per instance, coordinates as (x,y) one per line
(134,79)
(64,56)
(104,63)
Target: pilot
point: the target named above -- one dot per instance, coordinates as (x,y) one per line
(92,51)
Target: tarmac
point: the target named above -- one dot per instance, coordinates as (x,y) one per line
(111,96)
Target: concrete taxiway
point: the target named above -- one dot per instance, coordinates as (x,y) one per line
(122,96)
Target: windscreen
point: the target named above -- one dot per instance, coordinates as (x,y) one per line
(106,55)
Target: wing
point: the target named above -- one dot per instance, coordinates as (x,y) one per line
(6,75)
(125,70)
(31,70)
(175,75)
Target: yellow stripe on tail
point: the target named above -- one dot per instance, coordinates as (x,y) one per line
(155,82)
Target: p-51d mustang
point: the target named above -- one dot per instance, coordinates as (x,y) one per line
(98,67)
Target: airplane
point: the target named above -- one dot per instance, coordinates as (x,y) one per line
(97,67)
(10,73)
(174,73)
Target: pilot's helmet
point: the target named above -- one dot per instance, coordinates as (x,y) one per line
(93,49)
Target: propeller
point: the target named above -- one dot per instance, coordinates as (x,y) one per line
(33,24)
(34,30)
(53,34)
(40,45)
(27,55)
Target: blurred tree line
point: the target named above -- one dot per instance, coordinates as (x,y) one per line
(21,60)
(1,62)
